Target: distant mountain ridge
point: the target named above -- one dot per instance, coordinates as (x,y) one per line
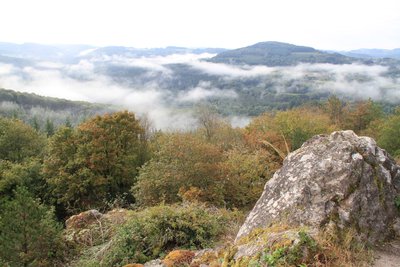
(148,52)
(270,53)
(279,54)
(33,51)
(41,51)
(373,53)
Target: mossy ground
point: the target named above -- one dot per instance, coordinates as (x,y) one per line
(285,246)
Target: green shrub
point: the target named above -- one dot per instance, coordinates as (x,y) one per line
(151,233)
(397,202)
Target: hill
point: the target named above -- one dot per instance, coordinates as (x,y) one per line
(279,54)
(35,109)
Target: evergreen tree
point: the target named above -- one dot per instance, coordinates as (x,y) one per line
(29,236)
(49,127)
(35,124)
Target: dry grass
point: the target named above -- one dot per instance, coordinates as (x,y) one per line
(343,249)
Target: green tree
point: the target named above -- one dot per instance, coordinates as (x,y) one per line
(286,131)
(19,141)
(245,174)
(95,163)
(388,135)
(68,123)
(27,174)
(29,235)
(334,108)
(299,124)
(35,123)
(183,164)
(49,127)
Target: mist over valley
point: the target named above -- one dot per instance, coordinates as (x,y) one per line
(167,83)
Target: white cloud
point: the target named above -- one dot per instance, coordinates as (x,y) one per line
(6,69)
(49,65)
(199,93)
(230,70)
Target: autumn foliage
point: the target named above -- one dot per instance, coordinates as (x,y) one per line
(95,163)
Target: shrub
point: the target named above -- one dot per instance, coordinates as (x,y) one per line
(153,232)
(397,202)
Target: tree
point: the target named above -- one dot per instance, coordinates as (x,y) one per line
(97,162)
(359,115)
(208,121)
(26,174)
(19,141)
(182,164)
(29,235)
(388,135)
(299,124)
(35,123)
(286,131)
(334,108)
(49,127)
(245,174)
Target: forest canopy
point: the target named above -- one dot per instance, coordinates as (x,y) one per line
(116,160)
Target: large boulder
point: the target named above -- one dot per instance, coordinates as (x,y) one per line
(339,179)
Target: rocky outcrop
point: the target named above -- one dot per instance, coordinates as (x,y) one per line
(90,228)
(341,180)
(83,219)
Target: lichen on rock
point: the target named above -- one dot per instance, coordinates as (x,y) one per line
(339,179)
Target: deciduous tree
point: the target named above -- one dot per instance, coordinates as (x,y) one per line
(97,162)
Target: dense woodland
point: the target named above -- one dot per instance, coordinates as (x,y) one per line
(185,189)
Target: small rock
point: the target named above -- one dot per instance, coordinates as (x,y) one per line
(179,257)
(155,263)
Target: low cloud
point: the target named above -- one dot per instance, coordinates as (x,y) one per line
(83,81)
(351,80)
(231,71)
(205,91)
(239,121)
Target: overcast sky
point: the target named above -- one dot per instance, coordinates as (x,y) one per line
(323,24)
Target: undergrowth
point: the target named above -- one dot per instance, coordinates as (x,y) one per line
(153,232)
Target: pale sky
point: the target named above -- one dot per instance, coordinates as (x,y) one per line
(322,24)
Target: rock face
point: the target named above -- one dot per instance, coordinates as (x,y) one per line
(340,179)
